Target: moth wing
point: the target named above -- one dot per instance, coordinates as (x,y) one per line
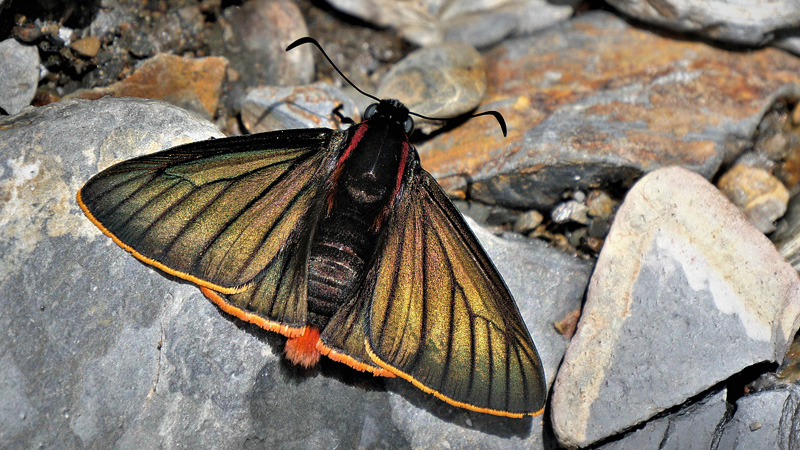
(342,339)
(221,213)
(440,315)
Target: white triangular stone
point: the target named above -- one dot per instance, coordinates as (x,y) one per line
(686,293)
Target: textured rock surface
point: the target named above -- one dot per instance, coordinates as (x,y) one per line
(767,419)
(264,28)
(683,279)
(102,351)
(752,22)
(694,426)
(271,108)
(19,74)
(478,22)
(444,80)
(191,83)
(596,101)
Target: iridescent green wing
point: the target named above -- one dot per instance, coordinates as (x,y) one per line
(223,213)
(343,338)
(440,316)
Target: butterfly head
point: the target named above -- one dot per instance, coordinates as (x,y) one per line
(391,111)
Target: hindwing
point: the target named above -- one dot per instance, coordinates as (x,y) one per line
(439,314)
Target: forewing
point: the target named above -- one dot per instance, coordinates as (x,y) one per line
(221,213)
(441,316)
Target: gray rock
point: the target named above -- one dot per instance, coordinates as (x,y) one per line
(752,23)
(791,44)
(571,210)
(19,75)
(271,108)
(685,293)
(260,32)
(443,81)
(108,19)
(765,420)
(486,28)
(102,351)
(480,23)
(694,426)
(63,333)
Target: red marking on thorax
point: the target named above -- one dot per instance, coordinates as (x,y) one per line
(362,128)
(401,172)
(337,172)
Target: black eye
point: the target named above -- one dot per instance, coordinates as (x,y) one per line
(371,110)
(409,125)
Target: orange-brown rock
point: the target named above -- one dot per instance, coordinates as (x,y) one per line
(598,101)
(191,83)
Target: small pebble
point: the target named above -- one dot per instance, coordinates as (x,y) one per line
(88,46)
(600,205)
(19,75)
(758,194)
(595,244)
(566,326)
(598,228)
(776,145)
(528,221)
(576,237)
(570,210)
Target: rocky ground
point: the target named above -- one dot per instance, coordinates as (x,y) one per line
(642,209)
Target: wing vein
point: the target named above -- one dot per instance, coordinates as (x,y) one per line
(182,229)
(130,196)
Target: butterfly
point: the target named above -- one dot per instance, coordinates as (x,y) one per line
(338,240)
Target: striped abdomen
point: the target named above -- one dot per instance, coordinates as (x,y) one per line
(341,250)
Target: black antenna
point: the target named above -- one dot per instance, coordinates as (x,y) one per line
(496,115)
(310,40)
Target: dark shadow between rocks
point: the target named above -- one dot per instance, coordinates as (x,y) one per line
(69,13)
(326,8)
(743,383)
(549,440)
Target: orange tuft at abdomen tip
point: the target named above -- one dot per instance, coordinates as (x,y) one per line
(302,350)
